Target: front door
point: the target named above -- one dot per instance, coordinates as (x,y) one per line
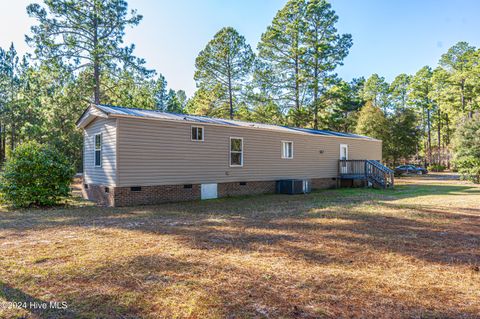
(344,157)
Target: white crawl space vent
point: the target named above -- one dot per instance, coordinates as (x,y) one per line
(208,191)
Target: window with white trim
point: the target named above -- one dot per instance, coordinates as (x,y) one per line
(236,151)
(98,149)
(287,149)
(197,133)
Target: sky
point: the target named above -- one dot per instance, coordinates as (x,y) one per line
(390,36)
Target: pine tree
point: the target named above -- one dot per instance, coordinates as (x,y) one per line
(399,90)
(11,69)
(281,55)
(402,135)
(421,96)
(375,90)
(160,93)
(182,98)
(457,62)
(326,50)
(342,102)
(208,102)
(85,34)
(173,104)
(225,66)
(128,90)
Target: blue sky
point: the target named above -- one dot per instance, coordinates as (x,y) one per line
(390,36)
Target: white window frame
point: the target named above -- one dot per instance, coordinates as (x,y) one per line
(203,133)
(230,151)
(283,150)
(95,149)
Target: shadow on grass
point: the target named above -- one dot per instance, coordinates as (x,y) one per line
(288,226)
(262,222)
(40,308)
(225,289)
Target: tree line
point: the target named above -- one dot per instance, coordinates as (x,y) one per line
(79,57)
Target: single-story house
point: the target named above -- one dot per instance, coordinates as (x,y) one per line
(137,157)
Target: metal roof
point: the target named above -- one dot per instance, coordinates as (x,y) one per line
(153,114)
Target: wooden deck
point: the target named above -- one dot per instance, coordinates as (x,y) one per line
(352,169)
(372,172)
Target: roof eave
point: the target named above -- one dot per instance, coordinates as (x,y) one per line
(87,116)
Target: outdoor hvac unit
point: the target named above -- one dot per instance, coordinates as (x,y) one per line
(293,186)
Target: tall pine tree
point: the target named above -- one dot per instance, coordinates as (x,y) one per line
(85,34)
(326,50)
(225,65)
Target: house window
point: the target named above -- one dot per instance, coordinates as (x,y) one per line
(197,133)
(287,149)
(98,150)
(236,151)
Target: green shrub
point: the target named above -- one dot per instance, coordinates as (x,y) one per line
(467,149)
(35,174)
(437,168)
(469,167)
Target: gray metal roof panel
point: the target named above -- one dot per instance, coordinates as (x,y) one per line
(124,111)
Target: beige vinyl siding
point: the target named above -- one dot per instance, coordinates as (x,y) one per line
(155,152)
(106,174)
(95,112)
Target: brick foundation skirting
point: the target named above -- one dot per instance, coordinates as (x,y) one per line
(151,195)
(245,188)
(352,183)
(324,183)
(99,194)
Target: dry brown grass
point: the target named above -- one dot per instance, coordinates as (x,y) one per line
(409,253)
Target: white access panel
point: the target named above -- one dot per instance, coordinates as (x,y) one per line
(208,191)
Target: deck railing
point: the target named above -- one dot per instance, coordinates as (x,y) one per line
(369,170)
(351,167)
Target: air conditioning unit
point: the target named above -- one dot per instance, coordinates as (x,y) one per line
(294,186)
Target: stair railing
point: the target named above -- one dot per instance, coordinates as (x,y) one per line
(379,174)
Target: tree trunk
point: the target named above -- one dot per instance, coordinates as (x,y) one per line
(429,138)
(297,79)
(297,92)
(315,96)
(12,138)
(423,135)
(2,157)
(316,81)
(96,62)
(4,143)
(439,142)
(230,96)
(447,137)
(96,75)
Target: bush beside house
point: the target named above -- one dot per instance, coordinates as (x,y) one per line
(35,175)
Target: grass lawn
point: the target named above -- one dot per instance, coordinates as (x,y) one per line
(413,252)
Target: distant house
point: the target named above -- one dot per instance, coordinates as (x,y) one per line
(137,157)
